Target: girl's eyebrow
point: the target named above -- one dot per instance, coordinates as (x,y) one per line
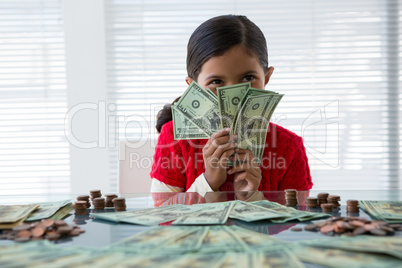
(213,76)
(250,72)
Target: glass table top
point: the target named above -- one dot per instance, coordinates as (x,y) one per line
(100,233)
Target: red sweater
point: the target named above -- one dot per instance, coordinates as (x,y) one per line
(284,164)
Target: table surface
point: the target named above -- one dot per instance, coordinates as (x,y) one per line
(100,233)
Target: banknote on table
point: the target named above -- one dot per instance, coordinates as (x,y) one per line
(383,245)
(221,239)
(389,211)
(344,258)
(197,105)
(149,216)
(295,214)
(249,212)
(155,238)
(11,216)
(210,213)
(46,210)
(254,241)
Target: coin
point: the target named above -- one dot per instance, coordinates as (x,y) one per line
(327,229)
(47,222)
(296,229)
(38,232)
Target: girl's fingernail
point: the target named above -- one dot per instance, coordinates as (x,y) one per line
(227,129)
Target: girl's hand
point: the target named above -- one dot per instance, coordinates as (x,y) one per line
(247,175)
(216,153)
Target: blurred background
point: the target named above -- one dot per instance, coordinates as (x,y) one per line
(78,78)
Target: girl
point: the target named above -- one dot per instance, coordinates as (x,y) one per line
(223,51)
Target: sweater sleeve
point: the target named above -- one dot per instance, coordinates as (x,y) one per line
(297,175)
(169,163)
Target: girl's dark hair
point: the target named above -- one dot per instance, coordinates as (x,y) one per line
(213,38)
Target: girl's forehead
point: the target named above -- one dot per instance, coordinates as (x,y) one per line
(235,60)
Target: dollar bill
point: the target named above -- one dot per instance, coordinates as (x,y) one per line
(252,124)
(185,129)
(153,238)
(212,213)
(221,239)
(187,243)
(294,214)
(254,241)
(248,212)
(344,258)
(46,210)
(390,211)
(278,257)
(150,216)
(229,98)
(201,108)
(384,245)
(14,214)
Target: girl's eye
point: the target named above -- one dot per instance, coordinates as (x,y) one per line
(248,78)
(216,82)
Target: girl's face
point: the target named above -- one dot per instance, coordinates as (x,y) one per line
(234,67)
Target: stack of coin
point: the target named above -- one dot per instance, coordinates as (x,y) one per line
(291,197)
(334,200)
(80,207)
(45,229)
(326,207)
(312,202)
(352,226)
(352,206)
(84,198)
(109,198)
(119,204)
(99,203)
(94,194)
(322,198)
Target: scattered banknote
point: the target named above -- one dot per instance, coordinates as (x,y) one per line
(293,214)
(344,258)
(250,212)
(11,216)
(210,213)
(47,209)
(382,245)
(389,211)
(247,111)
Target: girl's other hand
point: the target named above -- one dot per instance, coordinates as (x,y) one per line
(247,175)
(216,153)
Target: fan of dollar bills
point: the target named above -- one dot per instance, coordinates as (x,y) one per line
(199,113)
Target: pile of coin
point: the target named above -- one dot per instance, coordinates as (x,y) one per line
(352,206)
(327,207)
(119,204)
(291,197)
(312,202)
(109,200)
(353,226)
(80,207)
(322,198)
(46,229)
(94,194)
(334,200)
(84,198)
(99,203)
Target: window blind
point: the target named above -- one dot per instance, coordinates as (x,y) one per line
(34,154)
(335,61)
